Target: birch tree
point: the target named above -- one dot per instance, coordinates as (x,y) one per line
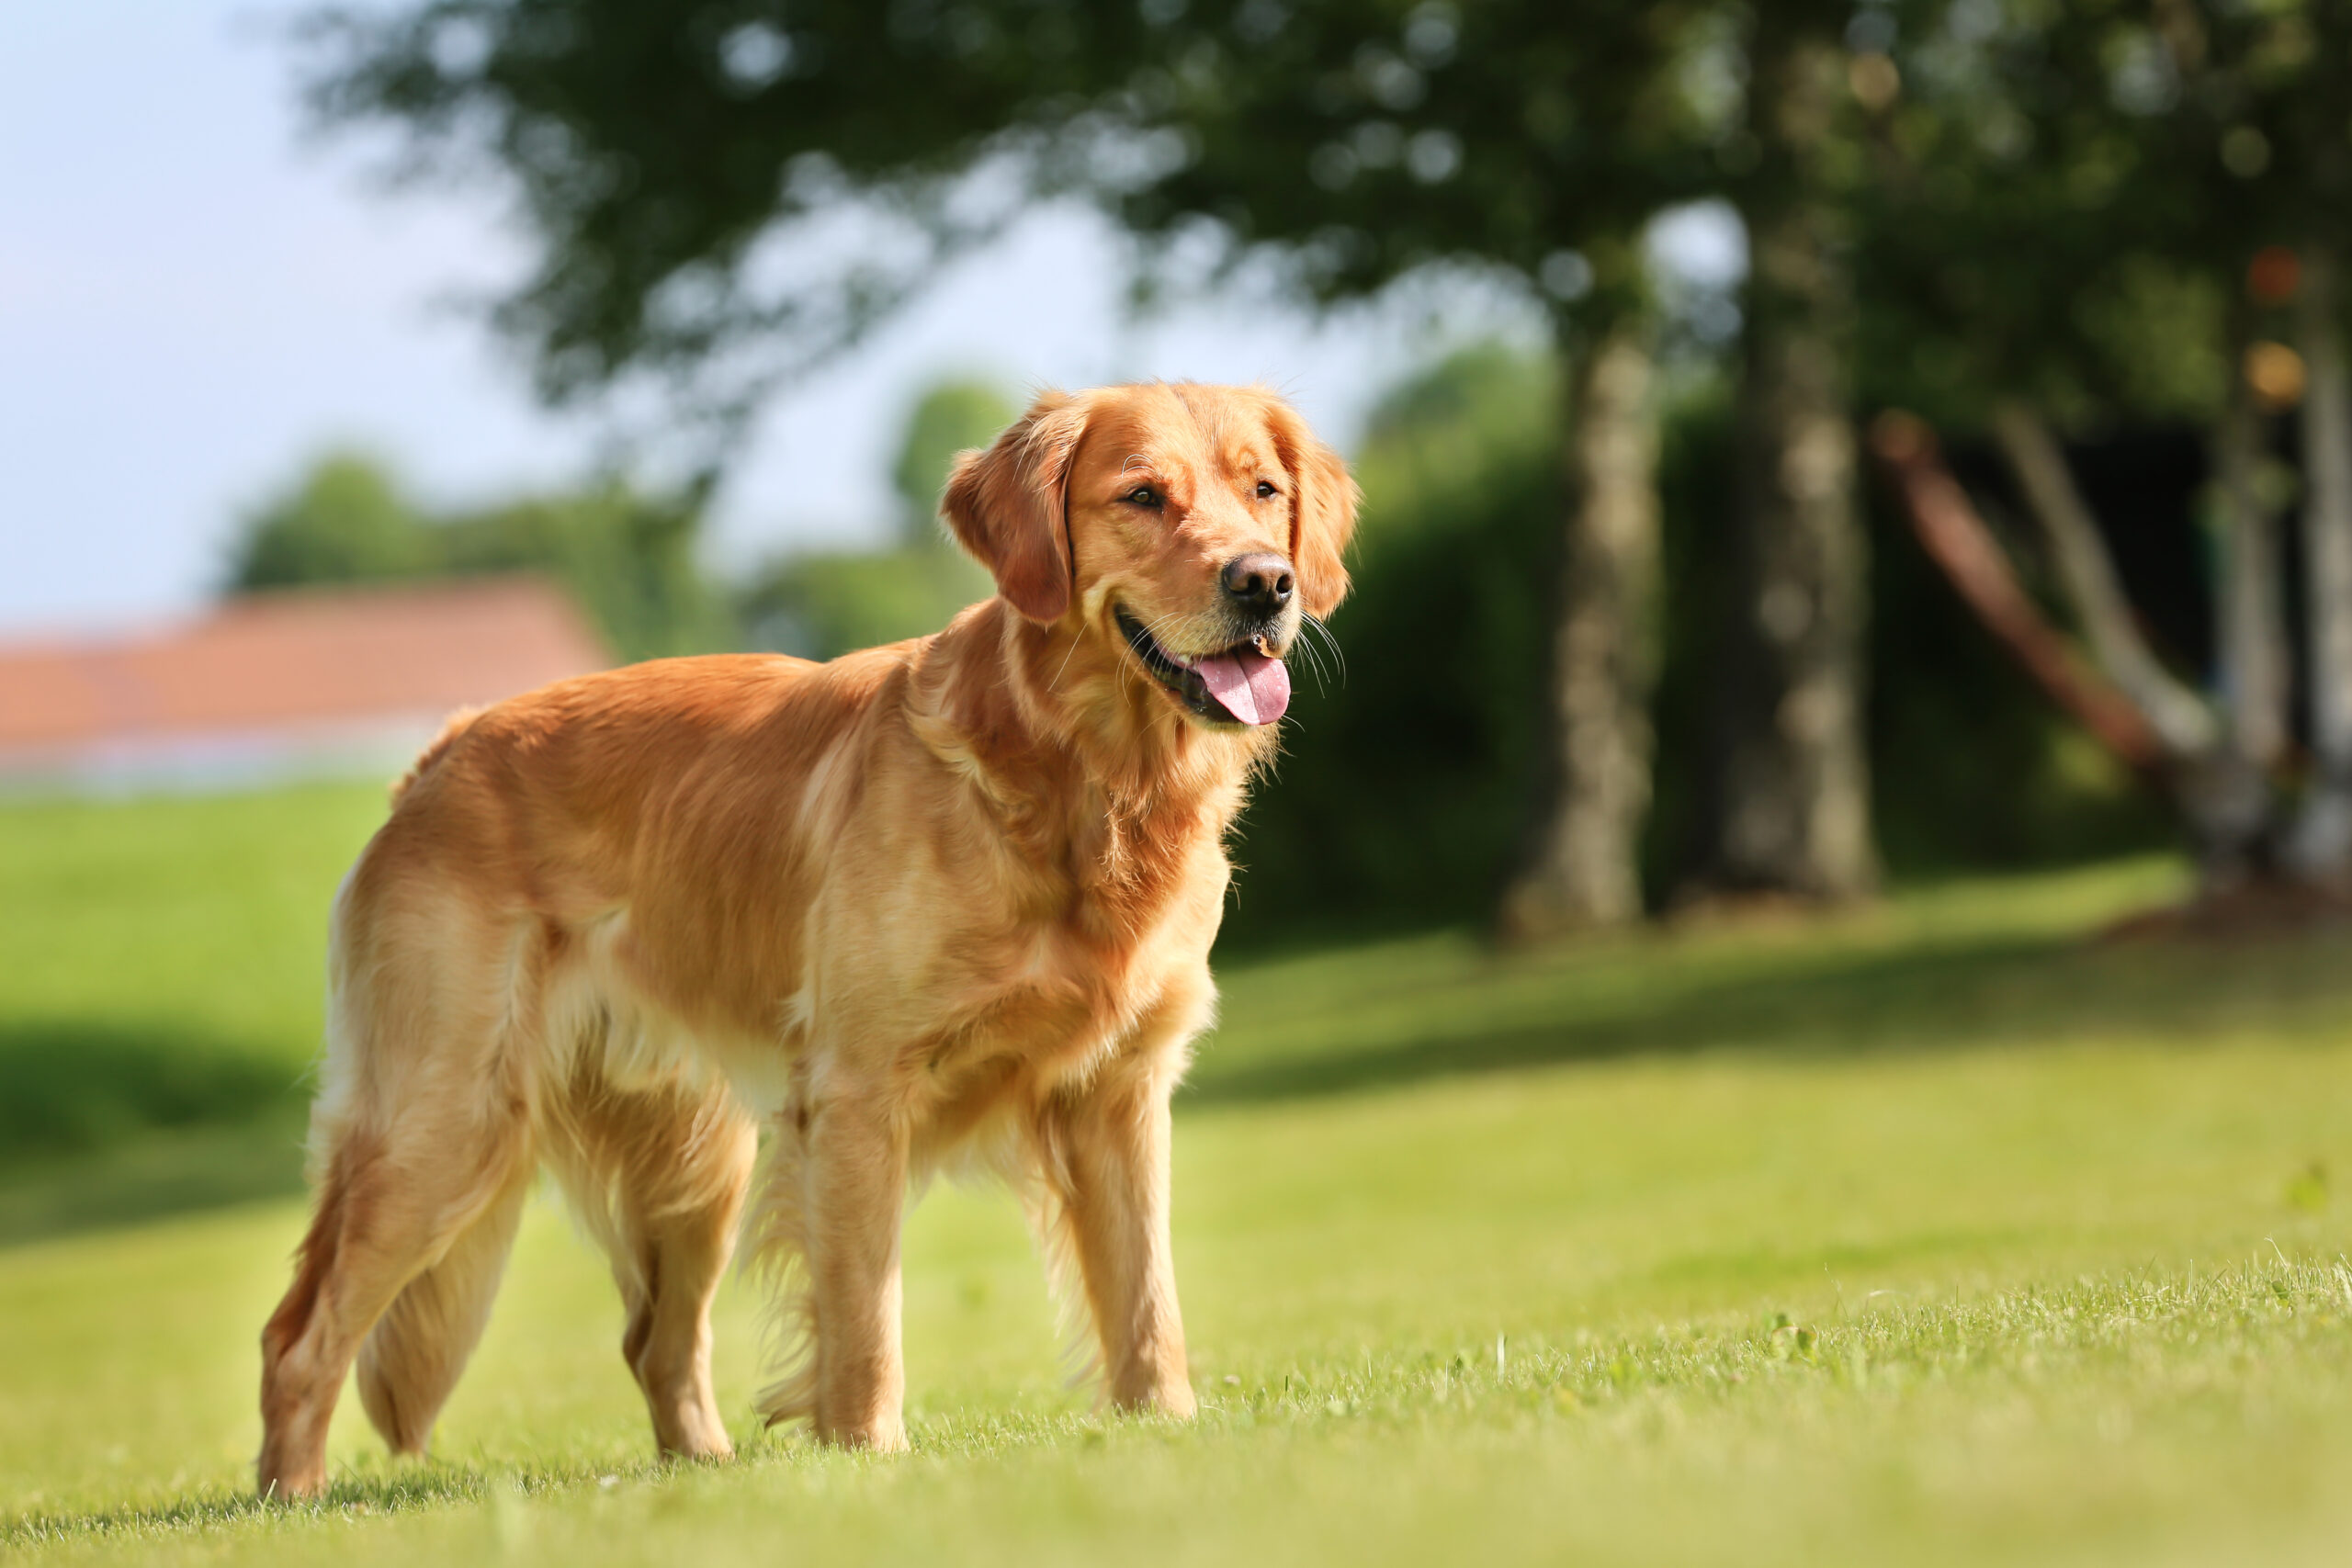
(2202,144)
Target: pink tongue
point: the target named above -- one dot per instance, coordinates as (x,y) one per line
(1253,688)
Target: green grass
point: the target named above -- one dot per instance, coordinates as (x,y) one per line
(161,968)
(201,919)
(1933,1233)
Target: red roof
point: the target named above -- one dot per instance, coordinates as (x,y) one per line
(280,666)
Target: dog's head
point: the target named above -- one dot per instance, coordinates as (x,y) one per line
(1193,526)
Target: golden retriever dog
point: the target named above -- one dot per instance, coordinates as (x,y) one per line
(955,894)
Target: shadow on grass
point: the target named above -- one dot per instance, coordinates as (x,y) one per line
(101,1126)
(1971,993)
(109,1123)
(70,1086)
(153,1176)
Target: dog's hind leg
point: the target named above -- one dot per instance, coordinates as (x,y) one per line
(660,1177)
(685,1214)
(412,1357)
(394,1204)
(423,1134)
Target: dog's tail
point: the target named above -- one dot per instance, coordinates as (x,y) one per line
(457,726)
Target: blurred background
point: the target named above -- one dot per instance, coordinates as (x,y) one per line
(1807,448)
(686,315)
(1848,694)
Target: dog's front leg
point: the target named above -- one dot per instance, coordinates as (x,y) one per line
(1113,1140)
(856,1176)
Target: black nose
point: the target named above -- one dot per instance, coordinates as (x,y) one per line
(1259,583)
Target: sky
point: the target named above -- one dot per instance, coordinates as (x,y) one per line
(195,301)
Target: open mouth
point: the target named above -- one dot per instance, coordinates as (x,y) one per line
(1244,684)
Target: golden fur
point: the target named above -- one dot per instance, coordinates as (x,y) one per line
(954,891)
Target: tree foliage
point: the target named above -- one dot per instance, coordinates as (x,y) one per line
(822,603)
(667,157)
(683,166)
(630,558)
(950,417)
(2065,198)
(345,521)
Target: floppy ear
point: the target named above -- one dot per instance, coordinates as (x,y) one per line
(1008,506)
(1323,519)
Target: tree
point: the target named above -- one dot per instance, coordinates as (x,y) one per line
(1792,792)
(1402,794)
(819,604)
(1501,138)
(667,156)
(345,521)
(951,417)
(2147,197)
(629,557)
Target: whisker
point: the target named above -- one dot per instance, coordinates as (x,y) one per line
(1331,642)
(1173,617)
(1305,645)
(1152,627)
(1315,659)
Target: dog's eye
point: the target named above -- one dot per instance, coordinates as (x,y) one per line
(1265,489)
(1142,495)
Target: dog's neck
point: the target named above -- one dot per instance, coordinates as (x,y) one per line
(1057,726)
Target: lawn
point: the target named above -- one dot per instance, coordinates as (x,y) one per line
(1939,1232)
(161,964)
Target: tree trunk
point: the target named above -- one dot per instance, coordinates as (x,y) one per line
(2231,806)
(1583,869)
(2178,714)
(1791,786)
(2321,849)
(1956,540)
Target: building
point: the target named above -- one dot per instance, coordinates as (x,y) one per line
(268,687)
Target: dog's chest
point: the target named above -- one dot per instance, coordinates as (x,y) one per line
(1030,947)
(1042,996)
(1048,994)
